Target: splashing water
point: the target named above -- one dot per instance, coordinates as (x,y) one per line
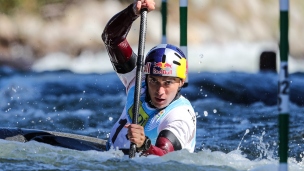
(246,132)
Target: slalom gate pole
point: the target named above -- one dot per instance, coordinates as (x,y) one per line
(183,9)
(164,21)
(283,87)
(139,65)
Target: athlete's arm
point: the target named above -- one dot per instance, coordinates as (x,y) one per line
(114,37)
(166,142)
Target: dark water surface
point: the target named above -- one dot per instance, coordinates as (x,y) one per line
(237,121)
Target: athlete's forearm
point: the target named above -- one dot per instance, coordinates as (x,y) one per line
(114,37)
(118,26)
(166,142)
(162,147)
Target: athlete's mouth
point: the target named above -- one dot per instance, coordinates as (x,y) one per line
(159,100)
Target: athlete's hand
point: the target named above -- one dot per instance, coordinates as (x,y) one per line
(136,134)
(140,4)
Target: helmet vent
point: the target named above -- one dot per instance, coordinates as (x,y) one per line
(177,63)
(164,59)
(178,55)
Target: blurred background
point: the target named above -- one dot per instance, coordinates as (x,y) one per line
(223,36)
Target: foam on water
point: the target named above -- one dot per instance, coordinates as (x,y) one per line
(43,156)
(232,56)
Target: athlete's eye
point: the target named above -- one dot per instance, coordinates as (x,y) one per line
(168,82)
(153,81)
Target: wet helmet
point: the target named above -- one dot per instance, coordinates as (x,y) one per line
(166,60)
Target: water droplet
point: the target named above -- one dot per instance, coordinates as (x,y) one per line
(196,114)
(110,118)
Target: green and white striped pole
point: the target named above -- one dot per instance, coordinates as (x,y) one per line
(283,87)
(164,21)
(183,9)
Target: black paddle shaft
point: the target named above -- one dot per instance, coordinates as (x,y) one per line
(139,64)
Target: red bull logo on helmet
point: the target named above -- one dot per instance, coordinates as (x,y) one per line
(163,66)
(158,68)
(147,68)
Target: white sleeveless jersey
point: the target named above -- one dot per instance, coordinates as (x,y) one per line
(178,117)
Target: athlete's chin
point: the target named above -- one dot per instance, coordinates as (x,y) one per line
(160,105)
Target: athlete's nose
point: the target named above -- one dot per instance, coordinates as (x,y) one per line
(160,90)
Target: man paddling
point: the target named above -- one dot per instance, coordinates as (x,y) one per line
(166,119)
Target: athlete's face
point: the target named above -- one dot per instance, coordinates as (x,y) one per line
(162,90)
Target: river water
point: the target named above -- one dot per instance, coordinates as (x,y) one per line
(237,121)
